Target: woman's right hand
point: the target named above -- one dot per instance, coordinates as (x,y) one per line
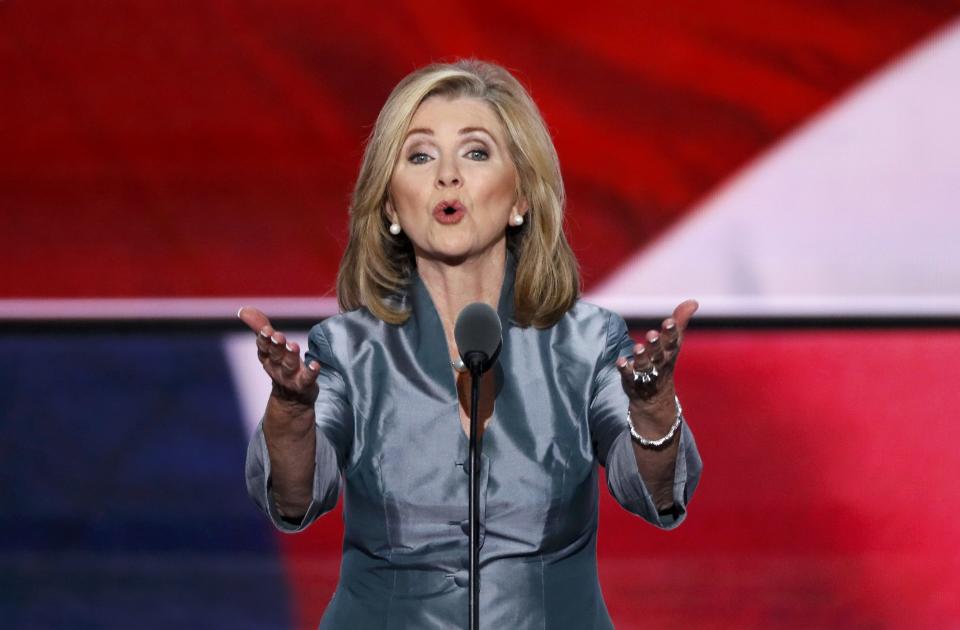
(293,382)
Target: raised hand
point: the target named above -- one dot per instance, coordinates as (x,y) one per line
(648,378)
(292,380)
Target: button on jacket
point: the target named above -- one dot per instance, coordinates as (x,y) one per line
(388,429)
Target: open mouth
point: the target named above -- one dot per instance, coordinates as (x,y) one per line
(449,213)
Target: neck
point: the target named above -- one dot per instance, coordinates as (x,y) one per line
(452,287)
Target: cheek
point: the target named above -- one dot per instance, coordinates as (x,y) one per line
(502,186)
(405,189)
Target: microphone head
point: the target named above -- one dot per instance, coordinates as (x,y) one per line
(478,331)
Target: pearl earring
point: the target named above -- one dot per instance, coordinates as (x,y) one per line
(395,228)
(517,220)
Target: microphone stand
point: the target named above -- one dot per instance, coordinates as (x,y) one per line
(475,360)
(479,332)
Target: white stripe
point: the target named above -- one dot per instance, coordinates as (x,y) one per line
(856,213)
(731,306)
(630,306)
(315,308)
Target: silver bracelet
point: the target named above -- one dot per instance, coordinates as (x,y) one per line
(659,442)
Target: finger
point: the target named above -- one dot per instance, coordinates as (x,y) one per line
(263,342)
(654,347)
(669,335)
(684,312)
(254,318)
(626,368)
(276,348)
(641,358)
(307,377)
(290,362)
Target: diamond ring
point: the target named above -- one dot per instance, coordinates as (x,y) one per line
(646,376)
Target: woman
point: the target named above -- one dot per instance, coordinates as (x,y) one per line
(459,199)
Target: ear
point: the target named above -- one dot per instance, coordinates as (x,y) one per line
(520,207)
(389,211)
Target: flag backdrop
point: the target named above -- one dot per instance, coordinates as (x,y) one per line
(793,165)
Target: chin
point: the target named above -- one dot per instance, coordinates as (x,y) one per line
(453,250)
(456,251)
(451,258)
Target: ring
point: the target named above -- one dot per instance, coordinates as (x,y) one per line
(646,376)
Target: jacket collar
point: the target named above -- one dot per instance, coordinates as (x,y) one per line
(424,330)
(423,310)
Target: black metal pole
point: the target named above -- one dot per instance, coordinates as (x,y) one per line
(474,503)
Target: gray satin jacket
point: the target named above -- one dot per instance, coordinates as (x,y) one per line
(388,428)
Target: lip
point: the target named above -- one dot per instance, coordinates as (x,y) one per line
(453,218)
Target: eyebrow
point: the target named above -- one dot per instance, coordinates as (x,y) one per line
(462,132)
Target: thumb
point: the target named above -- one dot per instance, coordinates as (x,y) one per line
(684,312)
(253,317)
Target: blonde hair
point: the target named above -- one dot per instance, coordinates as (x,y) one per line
(377,266)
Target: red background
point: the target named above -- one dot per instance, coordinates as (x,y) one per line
(208,149)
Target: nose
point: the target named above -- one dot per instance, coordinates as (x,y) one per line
(447,174)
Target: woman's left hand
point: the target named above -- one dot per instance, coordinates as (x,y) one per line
(648,378)
(648,382)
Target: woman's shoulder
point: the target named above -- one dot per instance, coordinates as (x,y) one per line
(594,317)
(609,328)
(584,309)
(344,331)
(587,329)
(358,321)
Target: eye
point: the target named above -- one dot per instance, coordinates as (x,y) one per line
(419,158)
(478,155)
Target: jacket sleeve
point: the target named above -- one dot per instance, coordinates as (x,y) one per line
(614,446)
(334,435)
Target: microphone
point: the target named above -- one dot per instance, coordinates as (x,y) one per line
(479,336)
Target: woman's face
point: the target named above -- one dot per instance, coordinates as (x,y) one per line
(453,189)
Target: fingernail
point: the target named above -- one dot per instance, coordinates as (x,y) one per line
(640,351)
(238,311)
(274,341)
(263,333)
(289,348)
(671,325)
(655,340)
(313,366)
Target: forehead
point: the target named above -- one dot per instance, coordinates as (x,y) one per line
(443,114)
